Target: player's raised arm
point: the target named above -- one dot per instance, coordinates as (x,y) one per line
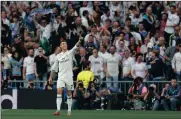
(72,51)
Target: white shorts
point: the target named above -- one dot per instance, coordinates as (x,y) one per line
(65,84)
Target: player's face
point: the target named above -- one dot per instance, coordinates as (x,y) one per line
(63,46)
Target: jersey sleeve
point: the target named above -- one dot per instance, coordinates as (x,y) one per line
(55,65)
(72,51)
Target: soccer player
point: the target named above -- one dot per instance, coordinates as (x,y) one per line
(63,65)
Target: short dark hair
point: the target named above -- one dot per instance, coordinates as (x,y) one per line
(104,46)
(156,52)
(2,63)
(85,12)
(139,54)
(128,19)
(31,48)
(173,6)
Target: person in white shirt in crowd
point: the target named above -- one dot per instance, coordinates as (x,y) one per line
(93,32)
(114,6)
(105,16)
(136,35)
(139,69)
(85,19)
(127,65)
(5,58)
(176,64)
(161,45)
(85,7)
(144,47)
(28,67)
(122,48)
(111,68)
(172,21)
(4,18)
(97,66)
(136,17)
(103,52)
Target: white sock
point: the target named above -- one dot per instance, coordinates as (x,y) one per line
(59,101)
(69,102)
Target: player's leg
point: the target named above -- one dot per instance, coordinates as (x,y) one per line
(69,98)
(60,87)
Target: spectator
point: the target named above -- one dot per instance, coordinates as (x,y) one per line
(175,37)
(5,58)
(168,56)
(161,46)
(140,68)
(156,67)
(28,68)
(176,64)
(149,19)
(93,95)
(5,77)
(96,65)
(103,52)
(137,92)
(172,97)
(15,27)
(16,62)
(163,24)
(152,98)
(127,64)
(85,7)
(4,18)
(111,67)
(90,45)
(142,30)
(97,13)
(105,94)
(40,65)
(172,21)
(79,97)
(45,29)
(105,16)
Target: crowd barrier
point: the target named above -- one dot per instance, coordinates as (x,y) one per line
(123,86)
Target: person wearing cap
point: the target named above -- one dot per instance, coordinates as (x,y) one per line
(176,63)
(152,98)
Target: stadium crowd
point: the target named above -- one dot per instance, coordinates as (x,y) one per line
(121,41)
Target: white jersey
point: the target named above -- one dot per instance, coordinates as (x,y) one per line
(127,65)
(96,65)
(140,69)
(113,64)
(63,65)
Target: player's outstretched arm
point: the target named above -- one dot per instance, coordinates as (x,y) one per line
(72,51)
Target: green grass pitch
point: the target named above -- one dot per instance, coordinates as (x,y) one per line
(87,114)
